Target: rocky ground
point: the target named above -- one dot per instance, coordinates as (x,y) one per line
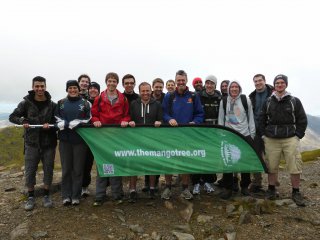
(206,217)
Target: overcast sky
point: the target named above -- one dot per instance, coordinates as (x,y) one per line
(230,39)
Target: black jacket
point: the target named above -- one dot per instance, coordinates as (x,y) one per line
(252,95)
(210,104)
(283,119)
(145,114)
(28,112)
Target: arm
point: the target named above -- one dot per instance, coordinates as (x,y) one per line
(251,123)
(198,113)
(221,114)
(19,115)
(301,119)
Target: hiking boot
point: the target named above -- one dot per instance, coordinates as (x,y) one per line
(271,194)
(85,192)
(245,191)
(152,194)
(75,202)
(298,199)
(166,194)
(257,189)
(47,202)
(66,202)
(226,194)
(133,197)
(235,186)
(208,188)
(97,202)
(30,204)
(186,194)
(196,189)
(219,183)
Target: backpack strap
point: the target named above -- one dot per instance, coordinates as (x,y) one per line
(170,103)
(245,104)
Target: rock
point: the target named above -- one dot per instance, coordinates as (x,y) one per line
(40,234)
(136,228)
(20,231)
(210,238)
(111,236)
(230,236)
(93,217)
(184,228)
(183,236)
(15,175)
(155,236)
(283,202)
(121,217)
(229,209)
(313,185)
(168,205)
(9,189)
(2,168)
(119,211)
(315,222)
(204,218)
(187,212)
(245,218)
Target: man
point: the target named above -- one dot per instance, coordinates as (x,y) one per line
(84,82)
(197,84)
(210,100)
(145,110)
(170,86)
(236,112)
(93,92)
(224,88)
(111,107)
(40,143)
(258,97)
(128,83)
(283,123)
(157,87)
(181,107)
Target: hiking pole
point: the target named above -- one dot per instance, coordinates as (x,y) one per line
(35,125)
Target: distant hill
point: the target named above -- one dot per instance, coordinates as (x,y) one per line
(314,123)
(4,116)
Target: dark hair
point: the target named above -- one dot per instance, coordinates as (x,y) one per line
(144,84)
(181,72)
(84,76)
(128,76)
(112,75)
(38,79)
(170,80)
(259,75)
(157,80)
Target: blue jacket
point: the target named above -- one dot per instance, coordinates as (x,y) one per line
(184,110)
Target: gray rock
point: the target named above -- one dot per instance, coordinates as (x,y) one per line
(184,228)
(155,236)
(230,236)
(15,175)
(40,234)
(245,218)
(204,218)
(283,202)
(121,217)
(119,211)
(229,209)
(20,231)
(183,236)
(136,228)
(187,212)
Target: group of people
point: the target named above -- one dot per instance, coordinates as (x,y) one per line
(270,118)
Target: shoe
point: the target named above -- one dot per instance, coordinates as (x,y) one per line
(166,194)
(226,194)
(66,202)
(30,204)
(85,192)
(298,199)
(219,183)
(47,202)
(256,189)
(152,194)
(97,202)
(75,202)
(245,191)
(133,197)
(208,188)
(186,194)
(271,194)
(146,188)
(196,189)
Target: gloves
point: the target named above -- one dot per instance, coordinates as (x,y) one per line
(60,125)
(74,123)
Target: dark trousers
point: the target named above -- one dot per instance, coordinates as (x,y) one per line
(203,178)
(228,180)
(87,169)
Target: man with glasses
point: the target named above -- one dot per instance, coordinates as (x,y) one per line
(128,83)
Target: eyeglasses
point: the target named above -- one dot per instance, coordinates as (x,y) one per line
(129,83)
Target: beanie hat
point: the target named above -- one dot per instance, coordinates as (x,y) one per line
(95,84)
(196,80)
(281,76)
(212,78)
(72,83)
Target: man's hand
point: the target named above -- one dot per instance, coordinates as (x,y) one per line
(26,125)
(173,123)
(97,124)
(192,122)
(124,124)
(46,126)
(157,123)
(132,124)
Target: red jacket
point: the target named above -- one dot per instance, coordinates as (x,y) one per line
(105,113)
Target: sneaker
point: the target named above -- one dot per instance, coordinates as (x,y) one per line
(47,202)
(196,189)
(85,192)
(245,191)
(152,194)
(97,202)
(30,204)
(271,194)
(133,197)
(166,194)
(208,188)
(298,199)
(226,194)
(186,194)
(75,202)
(66,202)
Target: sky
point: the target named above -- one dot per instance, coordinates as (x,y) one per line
(230,39)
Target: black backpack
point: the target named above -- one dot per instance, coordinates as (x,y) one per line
(243,101)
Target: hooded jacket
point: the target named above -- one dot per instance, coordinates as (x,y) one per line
(28,112)
(210,104)
(235,116)
(145,113)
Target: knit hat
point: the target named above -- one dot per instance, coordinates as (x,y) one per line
(212,78)
(95,85)
(281,76)
(72,83)
(196,80)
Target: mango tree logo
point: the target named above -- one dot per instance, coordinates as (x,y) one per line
(230,153)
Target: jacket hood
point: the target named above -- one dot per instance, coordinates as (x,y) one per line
(235,81)
(152,100)
(31,95)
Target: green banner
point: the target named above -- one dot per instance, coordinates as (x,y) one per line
(169,150)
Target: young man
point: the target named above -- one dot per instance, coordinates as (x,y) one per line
(170,86)
(197,84)
(224,88)
(157,87)
(128,83)
(210,100)
(283,123)
(40,143)
(235,116)
(84,82)
(258,97)
(111,107)
(184,108)
(144,110)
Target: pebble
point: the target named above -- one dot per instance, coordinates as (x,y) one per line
(204,218)
(40,234)
(183,236)
(136,228)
